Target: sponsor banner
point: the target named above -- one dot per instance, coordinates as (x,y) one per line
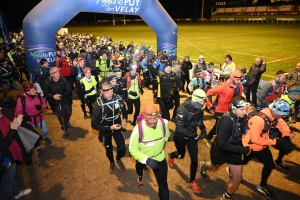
(4,37)
(38,51)
(171,50)
(116,6)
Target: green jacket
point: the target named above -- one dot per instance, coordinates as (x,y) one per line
(102,65)
(149,148)
(292,104)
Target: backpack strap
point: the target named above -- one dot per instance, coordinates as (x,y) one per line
(23,101)
(140,127)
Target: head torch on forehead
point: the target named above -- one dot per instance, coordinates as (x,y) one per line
(203,98)
(240,104)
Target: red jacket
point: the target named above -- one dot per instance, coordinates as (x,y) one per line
(275,94)
(224,92)
(64,64)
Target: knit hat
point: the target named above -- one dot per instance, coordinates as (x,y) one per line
(211,64)
(280,107)
(201,57)
(150,111)
(198,95)
(241,103)
(111,76)
(167,63)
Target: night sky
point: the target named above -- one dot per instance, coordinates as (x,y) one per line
(15,10)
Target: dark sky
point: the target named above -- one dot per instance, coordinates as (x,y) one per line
(15,11)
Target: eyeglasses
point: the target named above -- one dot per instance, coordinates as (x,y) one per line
(107,90)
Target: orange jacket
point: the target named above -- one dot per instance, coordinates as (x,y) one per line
(224,92)
(254,137)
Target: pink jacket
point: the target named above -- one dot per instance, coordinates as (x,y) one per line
(30,108)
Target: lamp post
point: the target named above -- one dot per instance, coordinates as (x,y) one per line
(202,9)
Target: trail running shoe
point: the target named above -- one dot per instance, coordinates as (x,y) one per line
(140,181)
(282,166)
(207,142)
(120,165)
(111,168)
(266,191)
(225,197)
(202,169)
(194,186)
(170,161)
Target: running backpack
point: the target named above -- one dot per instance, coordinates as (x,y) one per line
(268,123)
(139,120)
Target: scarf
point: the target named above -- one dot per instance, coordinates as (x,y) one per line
(14,148)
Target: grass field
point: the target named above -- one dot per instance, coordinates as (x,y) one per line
(277,44)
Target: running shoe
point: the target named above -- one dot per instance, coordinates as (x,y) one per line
(47,140)
(140,181)
(120,165)
(266,191)
(111,168)
(282,166)
(225,197)
(23,193)
(194,186)
(202,169)
(207,142)
(170,161)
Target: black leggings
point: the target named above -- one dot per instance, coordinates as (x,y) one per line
(191,144)
(161,177)
(176,99)
(120,141)
(213,131)
(164,107)
(63,113)
(137,107)
(265,157)
(90,101)
(253,90)
(184,78)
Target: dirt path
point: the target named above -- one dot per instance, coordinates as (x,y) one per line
(76,167)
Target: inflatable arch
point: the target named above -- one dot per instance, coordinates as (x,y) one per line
(41,24)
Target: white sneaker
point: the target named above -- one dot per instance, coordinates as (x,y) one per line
(23,193)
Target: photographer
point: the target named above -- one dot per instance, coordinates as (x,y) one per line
(133,84)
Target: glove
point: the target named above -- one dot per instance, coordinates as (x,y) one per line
(285,145)
(152,164)
(245,150)
(141,90)
(38,107)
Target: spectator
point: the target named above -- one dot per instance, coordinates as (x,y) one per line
(294,76)
(253,78)
(186,65)
(228,67)
(199,82)
(272,90)
(201,64)
(210,78)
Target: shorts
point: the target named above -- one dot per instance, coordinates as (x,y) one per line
(219,157)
